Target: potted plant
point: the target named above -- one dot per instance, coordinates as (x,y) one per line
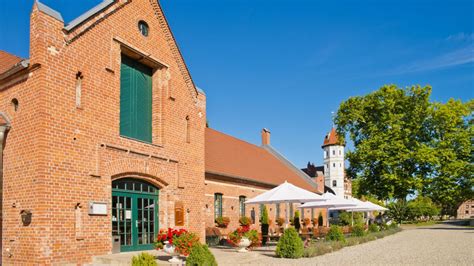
(164,240)
(222,222)
(184,242)
(306,222)
(243,238)
(296,221)
(264,225)
(314,222)
(244,221)
(280,221)
(320,220)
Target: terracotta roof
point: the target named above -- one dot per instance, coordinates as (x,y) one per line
(7,61)
(331,138)
(230,156)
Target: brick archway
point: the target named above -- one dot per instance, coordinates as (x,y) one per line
(157,174)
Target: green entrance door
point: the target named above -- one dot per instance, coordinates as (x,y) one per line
(134,214)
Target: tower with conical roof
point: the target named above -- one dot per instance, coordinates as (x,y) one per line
(334,162)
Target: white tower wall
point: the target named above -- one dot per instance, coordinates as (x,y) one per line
(334,168)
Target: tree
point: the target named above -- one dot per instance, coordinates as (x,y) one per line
(453,135)
(403,144)
(388,129)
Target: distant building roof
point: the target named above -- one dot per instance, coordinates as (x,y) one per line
(7,61)
(229,156)
(313,171)
(332,138)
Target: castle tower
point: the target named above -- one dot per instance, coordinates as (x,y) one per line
(334,163)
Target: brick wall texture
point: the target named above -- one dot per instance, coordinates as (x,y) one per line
(58,156)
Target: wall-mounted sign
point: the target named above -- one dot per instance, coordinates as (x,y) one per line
(179,213)
(97,208)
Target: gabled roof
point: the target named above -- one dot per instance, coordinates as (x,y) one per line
(7,61)
(228,156)
(332,138)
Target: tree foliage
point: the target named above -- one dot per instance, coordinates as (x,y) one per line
(404,143)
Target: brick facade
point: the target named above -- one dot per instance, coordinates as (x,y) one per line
(466,210)
(231,190)
(59,156)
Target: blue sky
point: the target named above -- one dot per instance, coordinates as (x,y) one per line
(286,65)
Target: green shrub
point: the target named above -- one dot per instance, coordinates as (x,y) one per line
(358,230)
(345,218)
(393,225)
(373,228)
(320,219)
(201,256)
(296,221)
(264,218)
(317,248)
(335,233)
(144,259)
(290,245)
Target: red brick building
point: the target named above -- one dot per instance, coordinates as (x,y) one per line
(237,170)
(103,141)
(466,210)
(102,131)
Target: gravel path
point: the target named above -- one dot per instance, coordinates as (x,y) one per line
(432,245)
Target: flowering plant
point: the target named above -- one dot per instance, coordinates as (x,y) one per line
(243,231)
(306,221)
(222,222)
(185,242)
(280,221)
(244,221)
(167,235)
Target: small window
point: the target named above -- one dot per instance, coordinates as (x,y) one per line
(79,78)
(334,165)
(339,152)
(15,104)
(467,212)
(333,152)
(143,27)
(217,205)
(334,183)
(242,206)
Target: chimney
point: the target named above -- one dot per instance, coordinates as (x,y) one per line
(265,137)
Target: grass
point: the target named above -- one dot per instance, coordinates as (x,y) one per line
(425,223)
(322,247)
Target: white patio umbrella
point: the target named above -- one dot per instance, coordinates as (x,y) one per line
(362,206)
(332,201)
(285,193)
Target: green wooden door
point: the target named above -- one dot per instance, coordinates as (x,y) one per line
(134,214)
(135,100)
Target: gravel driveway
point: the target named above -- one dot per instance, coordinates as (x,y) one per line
(432,245)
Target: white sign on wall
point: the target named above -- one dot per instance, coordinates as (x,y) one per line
(97,208)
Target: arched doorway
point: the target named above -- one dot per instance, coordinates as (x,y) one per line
(134,213)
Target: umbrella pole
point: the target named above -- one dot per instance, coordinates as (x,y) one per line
(352,221)
(286,214)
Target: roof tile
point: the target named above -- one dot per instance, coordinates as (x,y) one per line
(7,61)
(234,157)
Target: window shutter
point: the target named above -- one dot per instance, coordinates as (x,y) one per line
(135,100)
